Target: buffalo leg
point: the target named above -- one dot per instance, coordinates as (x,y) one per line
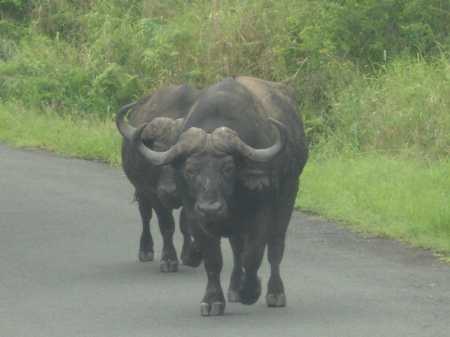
(194,256)
(146,252)
(186,235)
(213,303)
(250,288)
(237,245)
(191,254)
(169,260)
(276,296)
(275,289)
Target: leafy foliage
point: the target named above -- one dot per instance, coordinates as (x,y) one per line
(81,57)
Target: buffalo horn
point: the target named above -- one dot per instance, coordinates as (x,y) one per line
(233,144)
(190,141)
(125,129)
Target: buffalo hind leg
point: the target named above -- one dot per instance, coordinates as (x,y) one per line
(255,245)
(237,245)
(146,252)
(191,254)
(250,285)
(276,296)
(275,289)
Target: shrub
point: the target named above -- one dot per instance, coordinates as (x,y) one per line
(405,108)
(84,56)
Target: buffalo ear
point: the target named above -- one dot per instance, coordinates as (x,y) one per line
(148,143)
(253,178)
(177,164)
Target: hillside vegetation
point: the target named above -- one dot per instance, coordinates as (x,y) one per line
(372,76)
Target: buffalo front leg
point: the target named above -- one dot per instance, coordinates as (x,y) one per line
(169,260)
(186,235)
(213,303)
(146,252)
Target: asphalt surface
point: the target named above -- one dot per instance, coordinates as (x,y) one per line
(69,236)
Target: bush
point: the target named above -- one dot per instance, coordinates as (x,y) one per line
(405,108)
(370,31)
(82,56)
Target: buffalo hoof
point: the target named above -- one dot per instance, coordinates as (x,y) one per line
(193,258)
(169,266)
(250,291)
(277,301)
(145,256)
(213,309)
(233,296)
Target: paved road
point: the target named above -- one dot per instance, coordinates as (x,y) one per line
(68,243)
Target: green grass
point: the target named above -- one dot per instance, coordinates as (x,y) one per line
(405,108)
(396,197)
(87,137)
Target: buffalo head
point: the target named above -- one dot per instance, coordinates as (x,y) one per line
(207,165)
(160,134)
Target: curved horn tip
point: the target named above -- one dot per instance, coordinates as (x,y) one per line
(124,110)
(277,123)
(281,128)
(124,128)
(153,157)
(136,137)
(264,155)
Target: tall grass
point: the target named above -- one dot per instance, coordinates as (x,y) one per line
(404,108)
(98,55)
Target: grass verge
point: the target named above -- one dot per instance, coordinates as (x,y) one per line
(403,198)
(86,137)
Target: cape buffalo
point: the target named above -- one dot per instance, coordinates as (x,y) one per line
(238,160)
(154,185)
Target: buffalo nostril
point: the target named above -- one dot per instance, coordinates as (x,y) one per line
(210,208)
(167,191)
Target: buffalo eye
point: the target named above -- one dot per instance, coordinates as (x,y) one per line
(227,169)
(191,170)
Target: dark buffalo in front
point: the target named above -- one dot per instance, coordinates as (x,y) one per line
(154,185)
(238,160)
